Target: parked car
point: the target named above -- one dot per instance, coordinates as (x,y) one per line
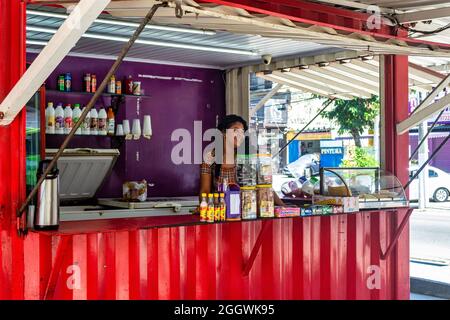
(438,184)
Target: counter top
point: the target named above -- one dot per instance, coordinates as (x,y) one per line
(130,224)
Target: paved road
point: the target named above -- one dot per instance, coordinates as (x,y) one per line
(430,240)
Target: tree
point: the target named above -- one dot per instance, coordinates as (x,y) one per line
(354,116)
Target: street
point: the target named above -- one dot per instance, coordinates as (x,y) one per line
(430,243)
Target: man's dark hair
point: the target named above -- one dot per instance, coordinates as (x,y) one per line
(228,121)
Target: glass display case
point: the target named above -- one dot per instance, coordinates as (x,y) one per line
(375,188)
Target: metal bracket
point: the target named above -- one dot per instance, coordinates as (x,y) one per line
(397,234)
(251,260)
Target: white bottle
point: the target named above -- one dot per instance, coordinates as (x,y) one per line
(86,126)
(59,119)
(102,125)
(68,119)
(76,117)
(50,118)
(94,122)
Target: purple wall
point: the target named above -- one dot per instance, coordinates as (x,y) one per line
(442,159)
(172,104)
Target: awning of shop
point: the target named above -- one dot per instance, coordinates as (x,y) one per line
(207,14)
(347,78)
(237,20)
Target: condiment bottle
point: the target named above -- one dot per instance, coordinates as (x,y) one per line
(76,116)
(129,85)
(223,207)
(210,213)
(94,122)
(111,123)
(68,82)
(203,209)
(59,119)
(112,85)
(93,83)
(87,82)
(86,126)
(102,125)
(119,87)
(68,119)
(216,207)
(50,118)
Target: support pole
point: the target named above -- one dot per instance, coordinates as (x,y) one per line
(91,103)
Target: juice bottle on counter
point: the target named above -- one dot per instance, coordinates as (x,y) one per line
(76,116)
(59,119)
(216,207)
(203,209)
(86,126)
(111,123)
(223,207)
(50,118)
(68,119)
(210,213)
(102,126)
(94,122)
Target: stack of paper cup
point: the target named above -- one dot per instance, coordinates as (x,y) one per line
(126,130)
(136,130)
(119,130)
(147,131)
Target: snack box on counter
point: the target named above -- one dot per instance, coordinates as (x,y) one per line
(349,204)
(283,212)
(321,210)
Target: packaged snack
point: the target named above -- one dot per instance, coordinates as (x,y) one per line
(327,210)
(246,169)
(349,204)
(233,202)
(135,191)
(317,210)
(306,212)
(338,209)
(264,175)
(283,212)
(248,203)
(265,201)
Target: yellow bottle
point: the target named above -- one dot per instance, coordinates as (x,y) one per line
(210,213)
(203,208)
(223,207)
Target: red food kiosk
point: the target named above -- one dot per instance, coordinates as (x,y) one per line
(325,257)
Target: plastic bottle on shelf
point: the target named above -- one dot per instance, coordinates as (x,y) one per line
(76,116)
(68,119)
(102,124)
(59,119)
(86,125)
(50,118)
(112,85)
(93,83)
(94,122)
(111,123)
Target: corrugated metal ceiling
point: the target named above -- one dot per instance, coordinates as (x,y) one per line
(261,45)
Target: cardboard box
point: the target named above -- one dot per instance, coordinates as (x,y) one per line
(282,212)
(349,204)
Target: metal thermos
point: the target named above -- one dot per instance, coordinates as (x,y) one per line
(47,213)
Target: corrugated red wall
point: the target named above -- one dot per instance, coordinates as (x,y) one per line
(312,258)
(309,258)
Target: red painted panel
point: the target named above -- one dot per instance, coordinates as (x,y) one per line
(310,258)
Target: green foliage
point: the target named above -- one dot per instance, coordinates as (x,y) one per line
(359,158)
(354,116)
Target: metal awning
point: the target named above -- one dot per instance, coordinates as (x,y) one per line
(346,79)
(240,21)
